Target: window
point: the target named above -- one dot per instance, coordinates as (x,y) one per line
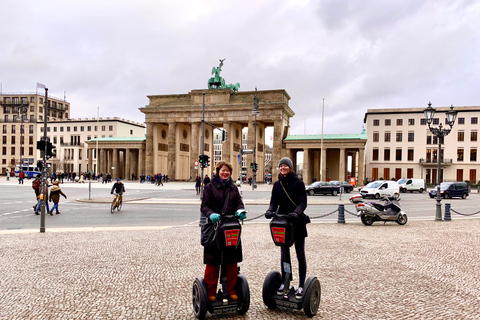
(436,121)
(48,129)
(387,136)
(110,128)
(386,173)
(411,136)
(68,129)
(32,118)
(6,118)
(103,128)
(32,100)
(459,154)
(89,128)
(4,139)
(473,136)
(461,120)
(96,128)
(410,155)
(61,129)
(411,122)
(398,173)
(55,140)
(399,137)
(460,136)
(375,136)
(473,154)
(374,173)
(131,132)
(4,128)
(474,120)
(386,155)
(398,154)
(89,137)
(13,129)
(30,140)
(40,109)
(376,122)
(423,121)
(30,129)
(399,122)
(30,151)
(75,128)
(375,155)
(54,129)
(4,151)
(388,122)
(13,139)
(12,151)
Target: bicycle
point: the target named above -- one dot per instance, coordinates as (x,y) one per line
(116,203)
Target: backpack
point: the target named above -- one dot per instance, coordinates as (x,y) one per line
(36,184)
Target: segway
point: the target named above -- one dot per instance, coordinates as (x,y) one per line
(227,238)
(282,235)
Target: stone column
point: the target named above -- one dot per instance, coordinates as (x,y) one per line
(127,164)
(323,159)
(226,145)
(171,161)
(277,148)
(101,161)
(342,168)
(361,166)
(307,175)
(115,164)
(149,149)
(141,162)
(194,147)
(90,156)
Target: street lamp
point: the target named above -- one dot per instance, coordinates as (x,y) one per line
(256,112)
(439,133)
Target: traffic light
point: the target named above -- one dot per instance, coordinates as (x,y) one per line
(254,166)
(207,160)
(51,150)
(204,161)
(200,160)
(224,135)
(41,145)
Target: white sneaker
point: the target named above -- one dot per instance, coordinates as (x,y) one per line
(299,293)
(280,290)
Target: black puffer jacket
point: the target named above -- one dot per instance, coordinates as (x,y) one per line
(214,196)
(296,190)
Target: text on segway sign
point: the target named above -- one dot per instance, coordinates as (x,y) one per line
(231,237)
(279,234)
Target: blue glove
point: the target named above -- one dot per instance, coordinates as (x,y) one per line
(241,214)
(215,217)
(293,215)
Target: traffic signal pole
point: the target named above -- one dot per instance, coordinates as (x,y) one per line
(44,184)
(202,148)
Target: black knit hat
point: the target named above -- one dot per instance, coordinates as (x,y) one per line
(286,161)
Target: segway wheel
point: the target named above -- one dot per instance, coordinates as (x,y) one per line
(199,298)
(270,286)
(311,296)
(243,292)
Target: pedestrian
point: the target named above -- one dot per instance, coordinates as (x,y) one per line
(289,198)
(206,180)
(62,175)
(55,193)
(220,198)
(36,185)
(160,177)
(43,195)
(20,177)
(8,175)
(198,184)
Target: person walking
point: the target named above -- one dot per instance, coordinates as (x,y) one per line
(198,184)
(20,177)
(55,193)
(43,195)
(221,198)
(289,198)
(36,185)
(206,180)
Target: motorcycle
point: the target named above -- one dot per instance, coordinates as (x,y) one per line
(371,211)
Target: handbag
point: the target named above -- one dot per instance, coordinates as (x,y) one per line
(209,230)
(304,218)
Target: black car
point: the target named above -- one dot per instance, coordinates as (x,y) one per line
(347,187)
(321,187)
(450,190)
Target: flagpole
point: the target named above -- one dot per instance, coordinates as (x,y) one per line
(321,142)
(96,152)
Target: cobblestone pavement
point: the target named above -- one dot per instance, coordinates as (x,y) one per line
(423,270)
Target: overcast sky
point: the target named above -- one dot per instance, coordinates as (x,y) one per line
(358,55)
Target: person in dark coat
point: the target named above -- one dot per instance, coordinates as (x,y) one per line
(198,184)
(220,192)
(290,198)
(206,180)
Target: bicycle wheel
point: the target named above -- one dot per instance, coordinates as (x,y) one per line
(119,207)
(112,207)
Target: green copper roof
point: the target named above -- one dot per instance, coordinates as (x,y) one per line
(118,139)
(360,136)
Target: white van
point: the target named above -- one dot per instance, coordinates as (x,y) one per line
(381,188)
(411,185)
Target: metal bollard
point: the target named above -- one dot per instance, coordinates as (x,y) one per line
(447,216)
(341,213)
(90,190)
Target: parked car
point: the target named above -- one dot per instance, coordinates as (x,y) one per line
(381,188)
(321,187)
(347,187)
(450,190)
(411,185)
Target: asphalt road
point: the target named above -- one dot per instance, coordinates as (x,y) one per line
(16,203)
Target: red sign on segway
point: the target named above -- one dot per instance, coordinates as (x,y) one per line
(231,237)
(278,234)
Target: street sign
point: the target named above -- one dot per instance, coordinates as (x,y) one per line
(248,151)
(196,167)
(195,163)
(239,159)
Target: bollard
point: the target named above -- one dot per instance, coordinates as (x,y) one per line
(447,216)
(341,213)
(90,190)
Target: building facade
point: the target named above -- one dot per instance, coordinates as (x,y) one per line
(400,145)
(69,136)
(21,114)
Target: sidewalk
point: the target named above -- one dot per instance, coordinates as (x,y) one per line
(423,270)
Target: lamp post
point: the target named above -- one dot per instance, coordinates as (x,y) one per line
(255,112)
(439,133)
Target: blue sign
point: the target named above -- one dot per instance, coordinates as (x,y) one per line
(239,159)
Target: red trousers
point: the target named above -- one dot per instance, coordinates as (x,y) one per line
(211,278)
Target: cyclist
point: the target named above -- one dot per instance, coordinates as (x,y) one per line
(119,189)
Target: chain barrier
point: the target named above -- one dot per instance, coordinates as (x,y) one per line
(324,215)
(262,215)
(353,214)
(464,214)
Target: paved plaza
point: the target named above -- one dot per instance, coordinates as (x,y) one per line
(423,270)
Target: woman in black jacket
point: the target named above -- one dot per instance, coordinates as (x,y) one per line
(290,198)
(219,194)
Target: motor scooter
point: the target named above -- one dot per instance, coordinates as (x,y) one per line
(387,209)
